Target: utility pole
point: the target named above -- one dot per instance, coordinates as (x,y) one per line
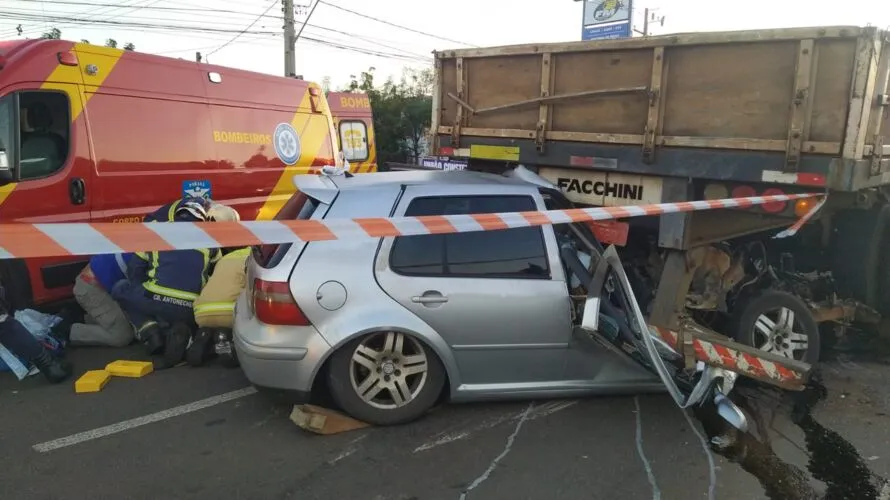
(650,17)
(290,39)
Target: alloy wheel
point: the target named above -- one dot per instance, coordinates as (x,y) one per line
(774,331)
(388,370)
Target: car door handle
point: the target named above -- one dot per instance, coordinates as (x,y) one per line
(77,191)
(430,298)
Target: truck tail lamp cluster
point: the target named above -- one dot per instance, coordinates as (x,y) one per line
(273,304)
(716,191)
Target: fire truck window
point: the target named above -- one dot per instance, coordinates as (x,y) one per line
(44,124)
(354,140)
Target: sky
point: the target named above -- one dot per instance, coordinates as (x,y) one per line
(386,34)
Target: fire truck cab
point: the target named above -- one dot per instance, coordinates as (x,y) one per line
(90,133)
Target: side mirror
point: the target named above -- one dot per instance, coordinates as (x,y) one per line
(5,171)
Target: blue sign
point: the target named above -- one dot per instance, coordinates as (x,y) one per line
(610,32)
(196,189)
(287,143)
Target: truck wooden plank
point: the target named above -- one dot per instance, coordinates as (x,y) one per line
(750,105)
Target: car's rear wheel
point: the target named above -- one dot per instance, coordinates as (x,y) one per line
(386,378)
(780,323)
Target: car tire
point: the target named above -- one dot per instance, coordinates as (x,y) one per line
(378,364)
(771,304)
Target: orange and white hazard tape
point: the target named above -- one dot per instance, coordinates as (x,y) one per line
(749,365)
(64,239)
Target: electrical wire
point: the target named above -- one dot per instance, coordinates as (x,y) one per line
(274,2)
(92,24)
(329,4)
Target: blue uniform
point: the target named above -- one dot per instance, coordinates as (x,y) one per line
(110,268)
(162,286)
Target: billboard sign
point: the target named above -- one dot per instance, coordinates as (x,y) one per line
(607,19)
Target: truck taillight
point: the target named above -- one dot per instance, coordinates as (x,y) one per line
(274,304)
(774,206)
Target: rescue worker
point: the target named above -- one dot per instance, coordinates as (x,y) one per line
(161,287)
(19,341)
(215,306)
(105,323)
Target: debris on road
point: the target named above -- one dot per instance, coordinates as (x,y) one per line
(323,420)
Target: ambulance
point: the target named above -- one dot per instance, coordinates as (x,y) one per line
(354,122)
(90,133)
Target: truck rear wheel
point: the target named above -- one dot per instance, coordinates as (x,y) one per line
(859,255)
(16,284)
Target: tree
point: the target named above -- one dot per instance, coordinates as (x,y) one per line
(56,34)
(53,34)
(402,112)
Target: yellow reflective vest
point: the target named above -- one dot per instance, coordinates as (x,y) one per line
(215,306)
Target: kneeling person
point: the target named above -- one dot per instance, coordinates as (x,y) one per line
(215,306)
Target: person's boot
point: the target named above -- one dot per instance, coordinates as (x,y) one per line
(224,348)
(199,350)
(153,338)
(177,342)
(54,369)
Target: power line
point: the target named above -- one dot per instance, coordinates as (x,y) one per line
(245,29)
(91,24)
(395,25)
(363,38)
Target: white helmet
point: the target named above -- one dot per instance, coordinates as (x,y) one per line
(194,208)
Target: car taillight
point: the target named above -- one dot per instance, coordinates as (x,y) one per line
(274,305)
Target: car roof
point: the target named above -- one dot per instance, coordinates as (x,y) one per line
(416,177)
(325,187)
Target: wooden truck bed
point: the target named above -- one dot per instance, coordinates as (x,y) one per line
(764,105)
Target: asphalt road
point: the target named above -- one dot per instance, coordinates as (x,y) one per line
(56,444)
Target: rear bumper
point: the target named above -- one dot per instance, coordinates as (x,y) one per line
(277,357)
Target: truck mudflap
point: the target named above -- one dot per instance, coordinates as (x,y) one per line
(712,358)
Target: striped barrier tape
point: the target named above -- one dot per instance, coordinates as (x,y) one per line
(782,372)
(65,239)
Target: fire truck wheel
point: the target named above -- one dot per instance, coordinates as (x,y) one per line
(386,378)
(780,323)
(16,284)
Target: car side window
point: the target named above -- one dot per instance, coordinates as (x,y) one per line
(506,253)
(44,121)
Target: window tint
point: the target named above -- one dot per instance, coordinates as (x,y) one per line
(354,140)
(508,253)
(45,139)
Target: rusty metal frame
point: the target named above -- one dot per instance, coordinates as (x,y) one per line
(801,103)
(653,121)
(546,91)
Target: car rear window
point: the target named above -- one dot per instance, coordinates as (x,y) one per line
(298,207)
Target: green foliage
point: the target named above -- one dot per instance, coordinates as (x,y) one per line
(53,34)
(402,112)
(56,34)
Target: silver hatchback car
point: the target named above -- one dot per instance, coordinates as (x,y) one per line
(392,326)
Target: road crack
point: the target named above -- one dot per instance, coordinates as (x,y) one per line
(494,463)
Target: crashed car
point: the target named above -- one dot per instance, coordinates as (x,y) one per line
(392,326)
